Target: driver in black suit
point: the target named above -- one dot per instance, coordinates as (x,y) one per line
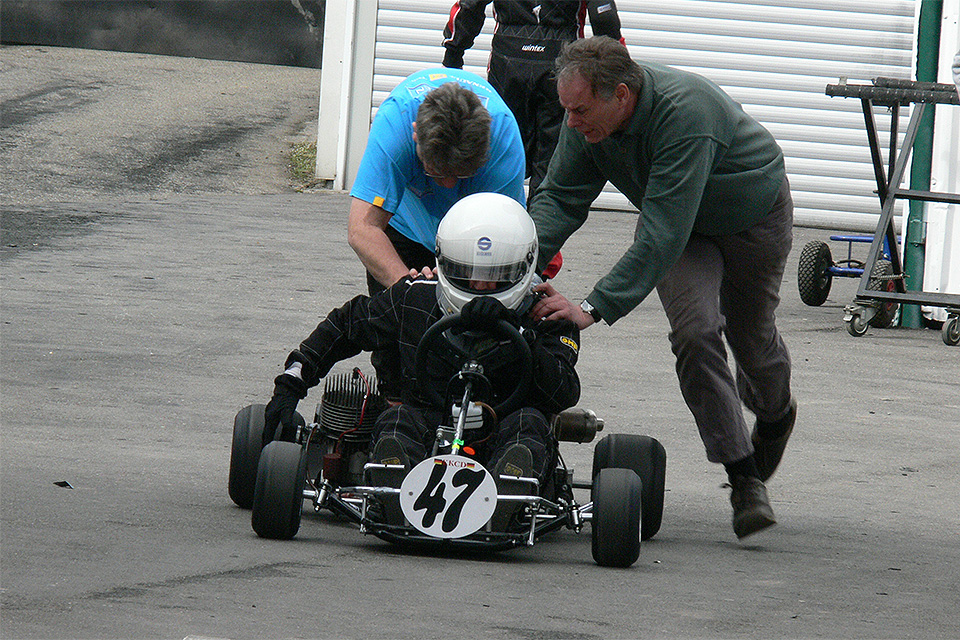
(486,256)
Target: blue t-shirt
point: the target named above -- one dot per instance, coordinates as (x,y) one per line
(391,175)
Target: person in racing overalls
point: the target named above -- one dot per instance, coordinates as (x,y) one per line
(528,38)
(486,255)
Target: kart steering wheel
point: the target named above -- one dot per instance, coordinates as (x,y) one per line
(501,331)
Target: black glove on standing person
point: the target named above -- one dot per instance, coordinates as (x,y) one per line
(287,393)
(484,311)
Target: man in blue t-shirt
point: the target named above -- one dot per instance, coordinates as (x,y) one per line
(440,135)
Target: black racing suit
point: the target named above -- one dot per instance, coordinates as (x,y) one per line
(401,315)
(526,42)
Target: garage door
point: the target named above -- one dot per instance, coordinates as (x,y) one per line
(774,58)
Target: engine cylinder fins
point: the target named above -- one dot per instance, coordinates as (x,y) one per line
(342,404)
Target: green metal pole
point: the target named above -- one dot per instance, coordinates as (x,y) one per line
(914,250)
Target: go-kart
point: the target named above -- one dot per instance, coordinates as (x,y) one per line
(448,498)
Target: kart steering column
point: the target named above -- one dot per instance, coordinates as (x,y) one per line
(470,370)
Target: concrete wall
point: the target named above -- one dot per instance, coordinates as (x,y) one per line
(285,32)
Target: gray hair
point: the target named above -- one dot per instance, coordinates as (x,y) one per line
(453,130)
(603,62)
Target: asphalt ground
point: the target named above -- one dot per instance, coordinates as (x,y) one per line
(138,316)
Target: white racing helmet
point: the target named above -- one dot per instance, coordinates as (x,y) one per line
(486,237)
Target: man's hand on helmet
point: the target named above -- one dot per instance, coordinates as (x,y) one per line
(427,272)
(551,305)
(484,311)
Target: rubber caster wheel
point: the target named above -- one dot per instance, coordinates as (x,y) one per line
(856,326)
(950,332)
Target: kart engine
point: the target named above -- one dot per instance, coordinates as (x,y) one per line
(347,411)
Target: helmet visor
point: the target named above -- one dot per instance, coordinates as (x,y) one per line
(503,276)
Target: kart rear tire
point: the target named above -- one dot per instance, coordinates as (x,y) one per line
(813,279)
(245,454)
(615,532)
(278,497)
(248,426)
(648,459)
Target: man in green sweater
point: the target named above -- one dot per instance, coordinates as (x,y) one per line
(712,236)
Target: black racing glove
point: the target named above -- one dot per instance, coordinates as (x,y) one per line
(484,311)
(280,411)
(452,59)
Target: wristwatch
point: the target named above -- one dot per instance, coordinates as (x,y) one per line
(591,311)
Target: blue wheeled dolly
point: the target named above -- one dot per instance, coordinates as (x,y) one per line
(871,301)
(817,269)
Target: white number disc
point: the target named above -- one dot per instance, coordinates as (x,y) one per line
(448,496)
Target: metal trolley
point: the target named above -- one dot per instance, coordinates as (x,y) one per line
(870,299)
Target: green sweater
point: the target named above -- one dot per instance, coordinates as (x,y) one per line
(689,159)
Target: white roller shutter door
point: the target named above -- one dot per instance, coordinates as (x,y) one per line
(775,58)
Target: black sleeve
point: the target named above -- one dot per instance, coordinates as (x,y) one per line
(463,26)
(604,19)
(556,385)
(362,324)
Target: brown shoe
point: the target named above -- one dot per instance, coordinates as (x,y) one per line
(751,506)
(769,451)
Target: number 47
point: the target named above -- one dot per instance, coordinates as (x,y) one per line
(432,500)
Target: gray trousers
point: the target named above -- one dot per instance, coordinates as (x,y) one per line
(729,286)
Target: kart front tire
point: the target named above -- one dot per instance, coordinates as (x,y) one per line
(278,497)
(615,534)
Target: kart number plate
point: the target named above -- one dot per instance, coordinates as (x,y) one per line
(448,496)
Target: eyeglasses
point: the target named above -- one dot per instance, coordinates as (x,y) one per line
(440,176)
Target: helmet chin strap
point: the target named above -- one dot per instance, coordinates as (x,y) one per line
(445,306)
(531,298)
(526,304)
